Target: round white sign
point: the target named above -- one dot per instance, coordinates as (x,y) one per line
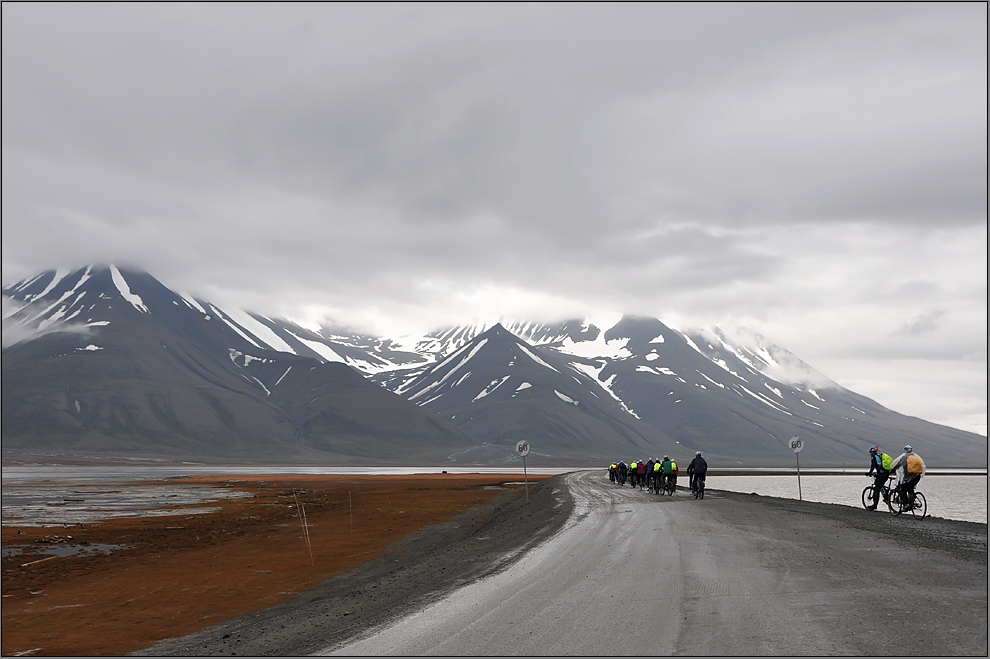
(797,444)
(522,447)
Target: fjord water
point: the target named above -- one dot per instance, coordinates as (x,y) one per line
(949,496)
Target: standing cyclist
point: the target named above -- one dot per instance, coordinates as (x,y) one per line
(697,471)
(909,468)
(880,464)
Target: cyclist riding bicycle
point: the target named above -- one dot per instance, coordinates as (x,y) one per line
(879,471)
(909,468)
(697,471)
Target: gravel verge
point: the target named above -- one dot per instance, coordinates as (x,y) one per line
(420,569)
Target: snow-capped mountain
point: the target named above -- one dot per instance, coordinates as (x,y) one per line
(628,389)
(733,394)
(499,389)
(106,361)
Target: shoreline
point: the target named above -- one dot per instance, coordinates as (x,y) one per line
(121,584)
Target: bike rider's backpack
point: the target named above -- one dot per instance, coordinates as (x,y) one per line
(885,461)
(914,465)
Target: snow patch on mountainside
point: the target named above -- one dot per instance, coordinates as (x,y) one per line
(565,398)
(60,274)
(219,314)
(492,386)
(322,349)
(536,359)
(614,349)
(263,333)
(125,290)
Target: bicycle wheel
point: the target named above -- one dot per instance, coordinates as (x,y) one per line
(701,490)
(894,503)
(868,496)
(920,507)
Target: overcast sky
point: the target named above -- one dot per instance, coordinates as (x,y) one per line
(816,173)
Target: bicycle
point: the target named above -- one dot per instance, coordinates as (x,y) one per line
(699,487)
(897,505)
(885,491)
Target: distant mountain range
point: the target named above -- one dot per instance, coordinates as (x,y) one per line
(109,362)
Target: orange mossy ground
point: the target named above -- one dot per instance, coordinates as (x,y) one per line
(181,573)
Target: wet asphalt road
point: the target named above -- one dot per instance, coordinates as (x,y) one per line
(636,574)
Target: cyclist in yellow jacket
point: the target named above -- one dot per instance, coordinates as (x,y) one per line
(909,468)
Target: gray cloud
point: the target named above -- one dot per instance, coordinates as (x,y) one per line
(816,172)
(923,323)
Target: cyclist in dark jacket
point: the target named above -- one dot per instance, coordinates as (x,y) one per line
(697,470)
(879,474)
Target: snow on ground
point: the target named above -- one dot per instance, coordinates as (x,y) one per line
(774,390)
(717,384)
(474,351)
(192,303)
(60,274)
(615,349)
(565,398)
(283,376)
(652,357)
(125,290)
(90,347)
(766,401)
(536,359)
(808,404)
(322,349)
(25,284)
(260,330)
(725,367)
(691,343)
(658,339)
(267,393)
(492,386)
(425,389)
(219,314)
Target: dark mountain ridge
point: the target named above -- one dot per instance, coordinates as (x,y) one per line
(144,371)
(111,361)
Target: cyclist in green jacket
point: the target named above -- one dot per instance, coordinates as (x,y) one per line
(879,473)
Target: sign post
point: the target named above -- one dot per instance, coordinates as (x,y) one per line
(522,448)
(797,445)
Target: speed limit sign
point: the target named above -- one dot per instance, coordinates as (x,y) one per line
(797,444)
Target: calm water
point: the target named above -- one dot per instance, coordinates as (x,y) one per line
(952,497)
(51,494)
(58,495)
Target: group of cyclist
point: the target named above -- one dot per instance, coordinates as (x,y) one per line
(908,468)
(657,476)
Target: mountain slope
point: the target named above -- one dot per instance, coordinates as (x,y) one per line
(736,396)
(112,362)
(104,359)
(499,390)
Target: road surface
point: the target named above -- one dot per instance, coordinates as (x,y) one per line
(635,574)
